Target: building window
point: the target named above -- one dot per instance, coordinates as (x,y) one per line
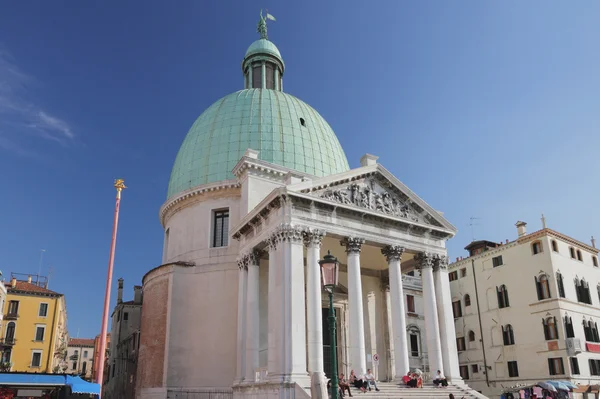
(13,309)
(220,228)
(560,285)
(502,293)
(463,272)
(464,372)
(6,356)
(125,316)
(36,358)
(467,300)
(572,252)
(474,368)
(84,368)
(579,257)
(598,289)
(508,335)
(583,291)
(555,366)
(594,366)
(257,76)
(410,304)
(543,287)
(414,344)
(590,330)
(453,275)
(574,365)
(460,344)
(39,333)
(569,332)
(536,247)
(554,246)
(595,261)
(10,332)
(74,366)
(76,353)
(471,336)
(85,354)
(270,76)
(497,261)
(43,312)
(456,309)
(550,328)
(513,369)
(302,122)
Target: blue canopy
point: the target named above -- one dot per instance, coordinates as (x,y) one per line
(32,379)
(80,386)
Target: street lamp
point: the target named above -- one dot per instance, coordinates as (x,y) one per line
(330,275)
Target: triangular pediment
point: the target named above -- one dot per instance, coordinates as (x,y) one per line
(375,189)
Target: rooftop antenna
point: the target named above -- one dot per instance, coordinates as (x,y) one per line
(471,224)
(40,265)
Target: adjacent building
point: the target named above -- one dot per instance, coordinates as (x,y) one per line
(527,310)
(120,376)
(97,356)
(80,357)
(34,330)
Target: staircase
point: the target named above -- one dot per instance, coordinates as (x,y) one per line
(390,390)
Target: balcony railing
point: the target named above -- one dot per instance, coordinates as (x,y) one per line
(12,316)
(7,341)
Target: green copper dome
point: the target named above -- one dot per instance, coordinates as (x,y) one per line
(262,46)
(268,121)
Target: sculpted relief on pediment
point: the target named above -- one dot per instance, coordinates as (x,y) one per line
(369,194)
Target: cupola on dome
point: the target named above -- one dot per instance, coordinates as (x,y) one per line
(285,130)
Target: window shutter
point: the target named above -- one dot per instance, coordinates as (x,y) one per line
(498,294)
(511,333)
(546,335)
(555,328)
(550,367)
(506,304)
(538,288)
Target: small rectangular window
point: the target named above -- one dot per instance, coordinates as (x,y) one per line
(410,304)
(513,369)
(43,312)
(595,261)
(594,366)
(85,354)
(270,75)
(464,372)
(497,261)
(453,276)
(220,228)
(36,359)
(414,345)
(572,252)
(13,308)
(257,76)
(574,365)
(125,316)
(39,333)
(456,309)
(474,368)
(460,344)
(555,366)
(463,272)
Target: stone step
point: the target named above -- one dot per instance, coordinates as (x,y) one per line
(390,390)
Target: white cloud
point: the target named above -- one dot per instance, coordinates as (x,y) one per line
(19,113)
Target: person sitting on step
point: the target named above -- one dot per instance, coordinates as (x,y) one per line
(344,385)
(440,379)
(357,382)
(371,380)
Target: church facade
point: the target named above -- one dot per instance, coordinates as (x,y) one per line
(260,191)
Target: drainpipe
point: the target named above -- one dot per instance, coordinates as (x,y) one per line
(52,337)
(487,378)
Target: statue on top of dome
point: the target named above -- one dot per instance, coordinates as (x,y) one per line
(262,24)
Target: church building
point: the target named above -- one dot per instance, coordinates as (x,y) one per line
(260,191)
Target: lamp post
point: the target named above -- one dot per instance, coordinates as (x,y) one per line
(330,275)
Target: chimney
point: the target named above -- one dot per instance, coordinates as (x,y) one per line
(368,160)
(120,292)
(543,221)
(29,279)
(13,282)
(521,228)
(593,242)
(137,294)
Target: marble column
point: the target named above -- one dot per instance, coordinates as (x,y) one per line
(358,361)
(287,323)
(393,253)
(314,316)
(241,321)
(391,364)
(252,316)
(446,320)
(434,349)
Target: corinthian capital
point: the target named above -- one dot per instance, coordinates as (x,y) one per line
(243,262)
(424,260)
(352,244)
(313,237)
(392,252)
(440,262)
(254,257)
(286,232)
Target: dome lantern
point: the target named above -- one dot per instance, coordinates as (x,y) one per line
(263,66)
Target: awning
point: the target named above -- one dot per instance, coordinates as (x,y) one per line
(42,380)
(80,386)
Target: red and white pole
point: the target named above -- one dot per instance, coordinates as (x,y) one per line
(119,185)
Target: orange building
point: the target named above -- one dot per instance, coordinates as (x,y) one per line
(97,355)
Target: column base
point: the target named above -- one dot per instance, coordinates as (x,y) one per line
(456,381)
(318,385)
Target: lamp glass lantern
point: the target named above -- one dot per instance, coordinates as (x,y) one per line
(330,270)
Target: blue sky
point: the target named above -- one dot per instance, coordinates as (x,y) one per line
(485,109)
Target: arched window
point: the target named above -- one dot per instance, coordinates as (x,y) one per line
(583,291)
(508,335)
(543,287)
(554,246)
(84,368)
(536,247)
(569,332)
(468,300)
(560,285)
(550,328)
(502,296)
(9,337)
(590,329)
(579,257)
(471,336)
